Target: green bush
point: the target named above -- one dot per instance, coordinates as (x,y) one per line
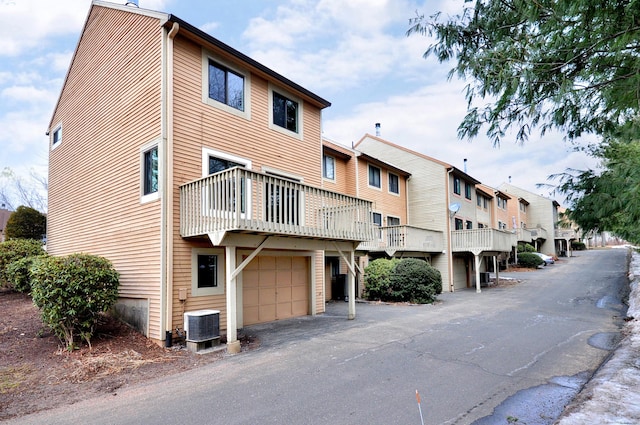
(409,279)
(16,249)
(376,279)
(71,292)
(19,275)
(414,280)
(578,246)
(526,248)
(26,223)
(528,259)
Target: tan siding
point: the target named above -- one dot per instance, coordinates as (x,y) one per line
(197,125)
(109,108)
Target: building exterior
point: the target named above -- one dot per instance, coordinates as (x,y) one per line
(198,172)
(443,199)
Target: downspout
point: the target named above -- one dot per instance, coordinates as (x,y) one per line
(450,247)
(167,180)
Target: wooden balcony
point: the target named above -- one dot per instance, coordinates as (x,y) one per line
(538,233)
(404,238)
(564,233)
(479,240)
(523,235)
(245,201)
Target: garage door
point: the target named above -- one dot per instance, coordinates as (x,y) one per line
(275,288)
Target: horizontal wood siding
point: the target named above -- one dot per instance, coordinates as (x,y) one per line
(197,125)
(109,108)
(384,202)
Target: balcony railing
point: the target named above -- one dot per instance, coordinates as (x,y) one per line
(482,240)
(565,234)
(523,235)
(241,200)
(404,238)
(538,233)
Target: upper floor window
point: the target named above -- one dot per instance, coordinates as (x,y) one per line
(485,203)
(328,167)
(523,207)
(469,225)
(150,172)
(456,185)
(374,176)
(459,224)
(226,86)
(479,199)
(394,183)
(502,203)
(56,136)
(285,112)
(467,190)
(393,221)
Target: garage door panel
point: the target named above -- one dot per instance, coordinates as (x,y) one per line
(275,287)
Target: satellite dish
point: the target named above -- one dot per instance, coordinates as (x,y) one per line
(454,208)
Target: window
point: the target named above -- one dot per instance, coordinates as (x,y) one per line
(467,190)
(393,221)
(285,112)
(394,185)
(479,199)
(469,225)
(377,219)
(207,271)
(480,226)
(523,207)
(374,176)
(502,203)
(456,185)
(328,167)
(221,194)
(485,203)
(226,86)
(459,224)
(56,136)
(150,172)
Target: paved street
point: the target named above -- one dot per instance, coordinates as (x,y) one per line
(467,355)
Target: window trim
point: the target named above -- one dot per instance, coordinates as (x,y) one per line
(208,152)
(369,168)
(393,217)
(324,169)
(286,94)
(149,197)
(206,56)
(389,175)
(203,292)
(56,129)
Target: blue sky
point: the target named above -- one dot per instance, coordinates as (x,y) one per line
(353,53)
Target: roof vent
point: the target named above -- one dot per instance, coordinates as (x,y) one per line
(378,129)
(133,3)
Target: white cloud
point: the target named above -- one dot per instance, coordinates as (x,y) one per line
(209,27)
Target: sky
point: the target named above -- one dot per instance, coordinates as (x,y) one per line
(354,53)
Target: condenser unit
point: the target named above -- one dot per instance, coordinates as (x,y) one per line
(202,325)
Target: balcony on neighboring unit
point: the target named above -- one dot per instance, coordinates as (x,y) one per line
(564,233)
(244,201)
(404,238)
(538,233)
(523,235)
(479,240)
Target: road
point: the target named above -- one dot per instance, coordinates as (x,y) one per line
(513,352)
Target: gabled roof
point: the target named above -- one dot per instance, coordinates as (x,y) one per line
(199,36)
(337,150)
(383,164)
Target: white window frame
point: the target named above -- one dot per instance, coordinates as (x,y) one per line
(208,152)
(393,217)
(246,114)
(389,174)
(282,92)
(144,149)
(203,292)
(324,169)
(56,129)
(369,167)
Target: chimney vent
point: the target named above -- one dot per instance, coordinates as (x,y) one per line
(378,129)
(465,165)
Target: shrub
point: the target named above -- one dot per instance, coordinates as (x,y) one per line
(26,223)
(19,275)
(414,280)
(525,248)
(376,279)
(71,292)
(578,246)
(527,259)
(16,249)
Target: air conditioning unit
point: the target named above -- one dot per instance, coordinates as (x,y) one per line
(202,325)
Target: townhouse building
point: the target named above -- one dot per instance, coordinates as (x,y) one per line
(198,172)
